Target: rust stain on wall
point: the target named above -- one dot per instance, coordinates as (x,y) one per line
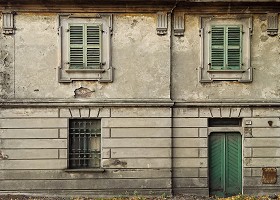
(269,175)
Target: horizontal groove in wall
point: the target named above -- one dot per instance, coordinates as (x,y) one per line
(85,184)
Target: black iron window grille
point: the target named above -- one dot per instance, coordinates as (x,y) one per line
(84,143)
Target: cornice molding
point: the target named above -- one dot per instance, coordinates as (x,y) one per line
(21,103)
(152,6)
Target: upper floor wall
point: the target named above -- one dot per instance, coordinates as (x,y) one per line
(140,60)
(263,57)
(145,63)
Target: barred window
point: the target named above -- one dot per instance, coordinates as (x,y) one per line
(84,143)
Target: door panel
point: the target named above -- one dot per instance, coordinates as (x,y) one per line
(233,164)
(225,169)
(216,160)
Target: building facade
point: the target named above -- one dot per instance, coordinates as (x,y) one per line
(129,97)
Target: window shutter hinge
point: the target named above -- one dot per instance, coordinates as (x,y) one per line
(59,30)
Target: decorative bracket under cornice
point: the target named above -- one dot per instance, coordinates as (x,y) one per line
(8,22)
(272,24)
(162,23)
(179,24)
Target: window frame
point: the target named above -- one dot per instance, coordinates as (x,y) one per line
(244,74)
(94,169)
(104,73)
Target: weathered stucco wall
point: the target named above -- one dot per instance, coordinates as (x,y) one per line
(139,56)
(151,149)
(6,65)
(136,153)
(264,60)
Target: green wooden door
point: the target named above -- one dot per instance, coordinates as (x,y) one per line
(225,164)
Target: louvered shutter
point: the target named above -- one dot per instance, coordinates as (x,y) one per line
(93,46)
(217,47)
(234,35)
(76,53)
(226,47)
(85,46)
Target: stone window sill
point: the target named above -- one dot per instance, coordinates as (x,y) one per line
(85,70)
(97,170)
(227,71)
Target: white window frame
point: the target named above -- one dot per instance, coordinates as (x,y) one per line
(242,75)
(105,73)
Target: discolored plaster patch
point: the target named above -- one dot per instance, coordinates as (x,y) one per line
(263,27)
(115,163)
(264,38)
(262,17)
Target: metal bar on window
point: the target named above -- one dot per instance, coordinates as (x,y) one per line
(85,141)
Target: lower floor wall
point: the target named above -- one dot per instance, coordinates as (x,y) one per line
(144,150)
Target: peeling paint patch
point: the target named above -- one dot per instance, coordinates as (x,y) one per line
(4,59)
(83,93)
(3,156)
(134,23)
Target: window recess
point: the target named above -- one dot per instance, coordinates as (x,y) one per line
(84,143)
(85,48)
(225,49)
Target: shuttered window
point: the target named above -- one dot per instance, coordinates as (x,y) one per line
(226,48)
(85,46)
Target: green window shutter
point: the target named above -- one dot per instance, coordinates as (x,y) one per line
(234,34)
(226,47)
(217,46)
(76,53)
(85,46)
(93,46)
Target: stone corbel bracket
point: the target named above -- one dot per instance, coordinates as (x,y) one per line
(272,24)
(179,24)
(162,23)
(8,22)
